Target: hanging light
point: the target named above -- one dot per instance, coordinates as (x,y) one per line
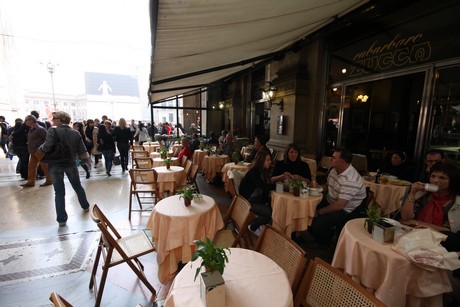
(269,93)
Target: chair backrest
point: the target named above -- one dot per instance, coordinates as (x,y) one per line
(143,162)
(324,163)
(239,216)
(137,148)
(359,162)
(143,176)
(324,285)
(140,154)
(183,160)
(187,166)
(59,301)
(193,172)
(286,253)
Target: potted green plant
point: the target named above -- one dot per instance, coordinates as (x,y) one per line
(164,152)
(374,216)
(213,260)
(167,162)
(187,193)
(296,186)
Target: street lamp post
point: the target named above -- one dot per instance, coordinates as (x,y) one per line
(50,67)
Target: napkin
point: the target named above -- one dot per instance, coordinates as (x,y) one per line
(423,247)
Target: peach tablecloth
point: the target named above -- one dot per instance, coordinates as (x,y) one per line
(395,280)
(213,164)
(388,196)
(159,162)
(170,179)
(198,156)
(251,279)
(292,213)
(242,166)
(174,227)
(154,155)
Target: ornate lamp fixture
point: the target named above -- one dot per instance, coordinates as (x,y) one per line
(269,93)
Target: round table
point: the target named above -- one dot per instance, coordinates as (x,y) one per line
(174,227)
(212,165)
(251,279)
(388,196)
(169,179)
(293,213)
(152,147)
(392,277)
(160,162)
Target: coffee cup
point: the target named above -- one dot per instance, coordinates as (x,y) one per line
(304,193)
(431,187)
(279,187)
(314,191)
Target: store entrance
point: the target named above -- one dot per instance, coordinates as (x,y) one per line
(382,116)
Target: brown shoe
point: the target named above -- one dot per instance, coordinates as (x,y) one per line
(45,184)
(27,185)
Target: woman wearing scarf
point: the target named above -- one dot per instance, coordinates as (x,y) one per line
(291,167)
(433,209)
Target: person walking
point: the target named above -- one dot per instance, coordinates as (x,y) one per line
(79,127)
(108,145)
(35,138)
(73,140)
(19,140)
(124,138)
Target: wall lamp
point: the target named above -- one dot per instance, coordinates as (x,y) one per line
(362,98)
(269,93)
(221,104)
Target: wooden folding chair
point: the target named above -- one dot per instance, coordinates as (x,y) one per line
(138,154)
(324,285)
(236,225)
(59,301)
(116,250)
(192,176)
(286,253)
(137,148)
(145,187)
(187,166)
(143,162)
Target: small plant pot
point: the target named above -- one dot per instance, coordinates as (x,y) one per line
(187,202)
(163,156)
(296,191)
(369,225)
(168,166)
(212,289)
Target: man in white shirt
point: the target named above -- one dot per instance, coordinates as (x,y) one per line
(345,192)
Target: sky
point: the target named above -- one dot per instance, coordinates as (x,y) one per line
(77,36)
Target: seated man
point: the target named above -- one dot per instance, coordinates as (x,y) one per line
(195,142)
(259,144)
(345,191)
(229,147)
(431,157)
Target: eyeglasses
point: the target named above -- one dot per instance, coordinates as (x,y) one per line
(54,118)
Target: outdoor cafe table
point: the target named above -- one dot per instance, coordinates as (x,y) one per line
(292,213)
(388,196)
(212,165)
(198,156)
(231,166)
(152,147)
(169,179)
(251,279)
(174,227)
(160,162)
(389,275)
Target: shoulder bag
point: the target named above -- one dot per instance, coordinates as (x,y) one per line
(59,154)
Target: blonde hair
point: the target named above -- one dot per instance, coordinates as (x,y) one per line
(122,123)
(62,116)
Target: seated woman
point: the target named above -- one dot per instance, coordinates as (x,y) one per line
(291,167)
(400,167)
(255,187)
(186,150)
(438,210)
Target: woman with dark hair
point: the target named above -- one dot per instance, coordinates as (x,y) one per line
(124,138)
(292,167)
(255,187)
(142,133)
(436,205)
(400,167)
(19,140)
(79,127)
(108,145)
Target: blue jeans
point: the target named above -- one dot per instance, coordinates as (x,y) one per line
(108,159)
(57,175)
